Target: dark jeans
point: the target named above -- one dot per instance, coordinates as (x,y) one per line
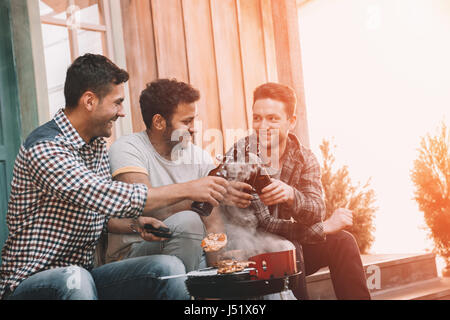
(135,278)
(341,254)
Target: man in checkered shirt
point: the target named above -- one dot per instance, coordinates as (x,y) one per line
(292,205)
(62,198)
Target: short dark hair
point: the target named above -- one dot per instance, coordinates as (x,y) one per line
(91,72)
(163,96)
(278,92)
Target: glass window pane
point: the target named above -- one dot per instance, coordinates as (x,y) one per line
(89,12)
(55,6)
(86,11)
(56,100)
(57,45)
(44,8)
(61,16)
(57,59)
(90,42)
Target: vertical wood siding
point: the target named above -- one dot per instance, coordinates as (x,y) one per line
(225,48)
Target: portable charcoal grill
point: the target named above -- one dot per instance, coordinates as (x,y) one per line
(272,273)
(237,286)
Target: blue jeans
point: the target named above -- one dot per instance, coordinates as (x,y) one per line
(134,278)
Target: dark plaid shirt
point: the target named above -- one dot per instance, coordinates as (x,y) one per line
(301,222)
(61,198)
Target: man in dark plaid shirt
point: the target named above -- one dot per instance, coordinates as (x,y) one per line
(292,205)
(62,198)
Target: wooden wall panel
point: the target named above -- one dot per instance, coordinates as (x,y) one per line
(169,39)
(252,50)
(225,48)
(202,63)
(229,68)
(281,42)
(269,41)
(289,59)
(140,52)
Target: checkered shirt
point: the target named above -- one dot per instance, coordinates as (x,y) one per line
(301,222)
(62,197)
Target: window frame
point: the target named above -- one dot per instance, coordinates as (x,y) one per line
(113,48)
(104,28)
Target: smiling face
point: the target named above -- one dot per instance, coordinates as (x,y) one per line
(272,123)
(107,111)
(180,128)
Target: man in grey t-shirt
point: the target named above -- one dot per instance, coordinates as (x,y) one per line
(153,158)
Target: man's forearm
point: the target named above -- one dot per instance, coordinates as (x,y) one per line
(116,225)
(161,202)
(165,212)
(164,196)
(207,189)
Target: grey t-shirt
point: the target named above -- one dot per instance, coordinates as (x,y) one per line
(135,153)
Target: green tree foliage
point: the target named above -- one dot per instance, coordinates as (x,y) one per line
(340,192)
(431,177)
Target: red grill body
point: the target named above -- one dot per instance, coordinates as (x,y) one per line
(274,265)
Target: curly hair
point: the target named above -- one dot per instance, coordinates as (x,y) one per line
(91,72)
(163,96)
(278,92)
